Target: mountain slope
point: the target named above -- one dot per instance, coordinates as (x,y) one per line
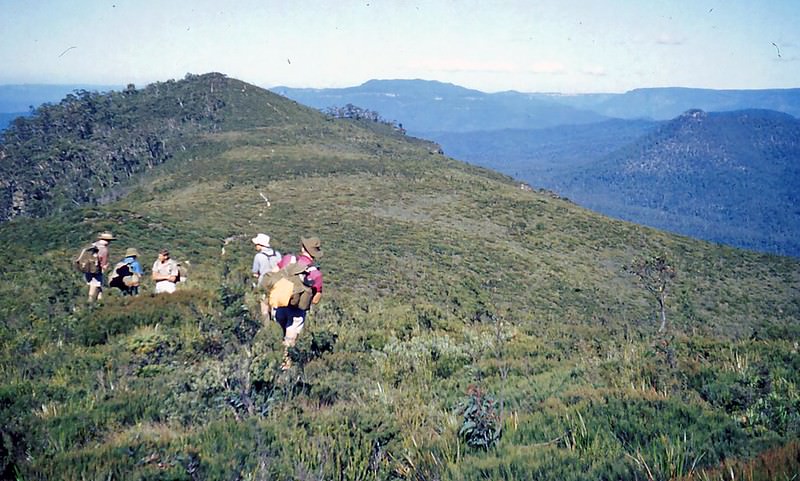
(726,177)
(429,106)
(536,156)
(85,148)
(446,286)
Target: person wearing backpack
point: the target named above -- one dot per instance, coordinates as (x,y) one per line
(264,262)
(165,273)
(292,318)
(94,278)
(127,274)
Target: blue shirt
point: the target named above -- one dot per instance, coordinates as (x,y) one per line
(136,268)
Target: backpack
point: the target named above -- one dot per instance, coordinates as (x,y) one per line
(273,260)
(290,287)
(87,261)
(280,288)
(183,272)
(122,277)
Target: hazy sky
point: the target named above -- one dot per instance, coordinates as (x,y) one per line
(530,46)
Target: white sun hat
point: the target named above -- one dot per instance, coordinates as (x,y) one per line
(261,239)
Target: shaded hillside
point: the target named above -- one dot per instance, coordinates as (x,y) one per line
(427,106)
(726,177)
(469,329)
(538,156)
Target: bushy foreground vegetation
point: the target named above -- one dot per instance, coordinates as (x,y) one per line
(469,329)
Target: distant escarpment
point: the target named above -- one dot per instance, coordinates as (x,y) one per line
(728,177)
(85,149)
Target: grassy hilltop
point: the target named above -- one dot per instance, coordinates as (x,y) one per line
(469,329)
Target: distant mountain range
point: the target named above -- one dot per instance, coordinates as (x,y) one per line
(427,106)
(424,106)
(667,103)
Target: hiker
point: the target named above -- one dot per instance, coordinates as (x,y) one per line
(291,318)
(127,274)
(95,279)
(165,273)
(264,262)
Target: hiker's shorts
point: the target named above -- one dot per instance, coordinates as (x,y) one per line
(292,320)
(165,286)
(94,280)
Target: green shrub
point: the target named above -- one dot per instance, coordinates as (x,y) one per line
(98,324)
(17,435)
(311,345)
(778,410)
(482,426)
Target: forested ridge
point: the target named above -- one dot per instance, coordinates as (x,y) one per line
(728,177)
(85,148)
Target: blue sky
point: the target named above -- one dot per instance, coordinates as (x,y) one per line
(530,46)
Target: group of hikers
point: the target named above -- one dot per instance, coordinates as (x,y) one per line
(288,285)
(126,274)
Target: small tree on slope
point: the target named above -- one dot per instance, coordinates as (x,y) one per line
(655,274)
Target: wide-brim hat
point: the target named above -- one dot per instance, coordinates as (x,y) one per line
(131,252)
(107,236)
(261,240)
(312,245)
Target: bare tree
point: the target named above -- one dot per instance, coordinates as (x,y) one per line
(655,274)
